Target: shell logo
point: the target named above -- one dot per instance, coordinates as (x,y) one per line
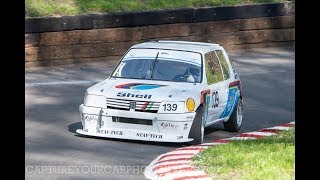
(190,104)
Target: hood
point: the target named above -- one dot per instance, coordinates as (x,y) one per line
(145,90)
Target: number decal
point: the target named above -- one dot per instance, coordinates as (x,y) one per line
(215,99)
(174,107)
(170,107)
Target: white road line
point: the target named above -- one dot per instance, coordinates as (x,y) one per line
(62,83)
(182,152)
(279,128)
(212,144)
(240,138)
(260,133)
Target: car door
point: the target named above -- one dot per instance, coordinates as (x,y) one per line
(216,85)
(230,93)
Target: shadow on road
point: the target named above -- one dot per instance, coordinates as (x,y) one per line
(74,126)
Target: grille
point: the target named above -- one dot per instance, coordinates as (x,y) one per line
(142,106)
(132,121)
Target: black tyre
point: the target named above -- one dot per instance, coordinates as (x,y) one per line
(235,121)
(197,128)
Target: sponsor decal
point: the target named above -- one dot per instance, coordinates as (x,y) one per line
(168,125)
(111,132)
(189,117)
(147,106)
(149,135)
(179,137)
(205,97)
(215,98)
(205,100)
(233,96)
(236,84)
(90,118)
(138,86)
(185,126)
(123,94)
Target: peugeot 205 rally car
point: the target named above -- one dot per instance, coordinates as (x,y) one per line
(165,91)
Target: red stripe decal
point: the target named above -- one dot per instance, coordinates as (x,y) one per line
(176,170)
(191,177)
(122,85)
(203,96)
(168,165)
(145,105)
(234,83)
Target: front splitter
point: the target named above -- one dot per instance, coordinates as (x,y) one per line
(135,135)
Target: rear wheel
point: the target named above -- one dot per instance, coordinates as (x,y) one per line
(235,121)
(197,128)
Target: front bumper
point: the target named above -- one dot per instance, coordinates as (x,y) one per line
(160,127)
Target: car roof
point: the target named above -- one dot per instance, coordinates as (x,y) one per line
(179,45)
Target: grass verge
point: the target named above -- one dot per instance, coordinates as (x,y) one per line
(267,158)
(36,8)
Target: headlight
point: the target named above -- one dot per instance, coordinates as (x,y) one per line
(190,104)
(95,100)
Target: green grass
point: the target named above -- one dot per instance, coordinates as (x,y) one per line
(266,158)
(36,8)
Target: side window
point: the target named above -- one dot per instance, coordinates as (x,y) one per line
(224,64)
(213,68)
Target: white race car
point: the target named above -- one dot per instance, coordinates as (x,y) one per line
(166,91)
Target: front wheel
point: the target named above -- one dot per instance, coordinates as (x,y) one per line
(235,121)
(197,128)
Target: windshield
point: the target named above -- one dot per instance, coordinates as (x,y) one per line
(156,64)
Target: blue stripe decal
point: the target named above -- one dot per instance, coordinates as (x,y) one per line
(144,87)
(233,97)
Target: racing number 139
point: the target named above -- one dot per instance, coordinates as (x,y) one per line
(169,107)
(215,98)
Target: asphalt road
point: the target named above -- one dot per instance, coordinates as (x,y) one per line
(53,96)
